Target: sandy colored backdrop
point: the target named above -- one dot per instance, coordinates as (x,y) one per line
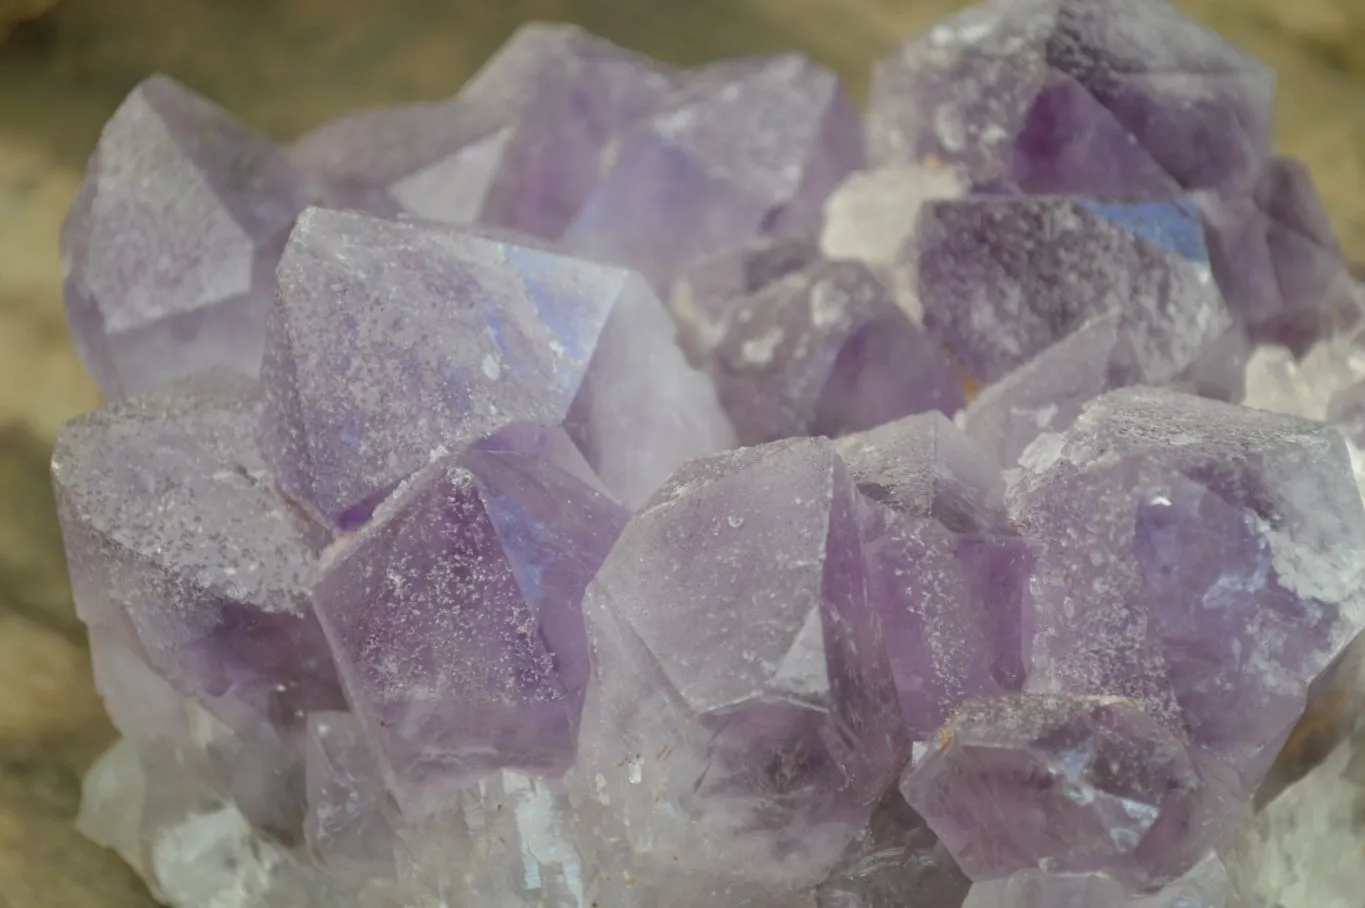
(284,65)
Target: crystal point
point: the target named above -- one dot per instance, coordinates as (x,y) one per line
(826,351)
(454,616)
(1067,784)
(171,245)
(741,149)
(519,147)
(717,691)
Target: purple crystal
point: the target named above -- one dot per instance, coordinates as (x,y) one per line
(743,148)
(1277,261)
(1003,278)
(393,342)
(171,244)
(923,466)
(520,147)
(346,828)
(1070,784)
(826,351)
(1108,98)
(1220,562)
(949,607)
(740,725)
(709,288)
(181,548)
(1046,393)
(454,616)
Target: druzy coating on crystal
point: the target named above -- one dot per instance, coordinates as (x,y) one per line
(743,148)
(520,147)
(181,548)
(1002,278)
(472,599)
(826,351)
(1067,784)
(1221,568)
(1104,98)
(756,710)
(454,615)
(395,341)
(171,245)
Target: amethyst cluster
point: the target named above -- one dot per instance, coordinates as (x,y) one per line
(626,487)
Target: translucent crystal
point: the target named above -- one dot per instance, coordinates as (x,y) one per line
(743,148)
(826,351)
(520,147)
(171,244)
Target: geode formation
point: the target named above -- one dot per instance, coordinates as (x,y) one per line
(619,486)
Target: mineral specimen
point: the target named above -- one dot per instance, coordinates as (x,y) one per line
(423,566)
(518,148)
(448,337)
(171,244)
(826,351)
(743,148)
(1087,97)
(1002,278)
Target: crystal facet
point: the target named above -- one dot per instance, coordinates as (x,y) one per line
(756,711)
(171,244)
(393,342)
(826,351)
(1002,278)
(455,618)
(1106,98)
(742,149)
(1069,784)
(520,147)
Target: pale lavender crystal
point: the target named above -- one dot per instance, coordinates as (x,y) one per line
(1066,784)
(520,147)
(1046,393)
(826,351)
(454,617)
(923,466)
(181,549)
(743,148)
(1277,260)
(171,244)
(1003,278)
(1221,565)
(950,608)
(709,288)
(893,863)
(740,725)
(946,572)
(1111,98)
(346,828)
(395,341)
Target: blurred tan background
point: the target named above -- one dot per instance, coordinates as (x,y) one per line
(284,65)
